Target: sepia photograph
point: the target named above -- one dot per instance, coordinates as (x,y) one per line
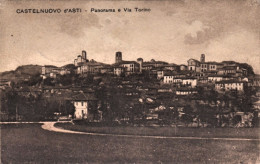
(130,81)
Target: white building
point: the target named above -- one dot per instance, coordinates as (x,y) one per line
(214,78)
(168,79)
(184,81)
(82,105)
(230,85)
(186,91)
(189,81)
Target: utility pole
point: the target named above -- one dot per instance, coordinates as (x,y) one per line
(16,113)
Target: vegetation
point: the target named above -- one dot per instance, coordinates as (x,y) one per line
(170,131)
(28,143)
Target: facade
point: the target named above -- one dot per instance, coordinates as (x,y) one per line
(185,91)
(130,67)
(212,66)
(214,78)
(168,79)
(193,65)
(230,85)
(81,103)
(118,70)
(180,81)
(89,68)
(204,67)
(189,81)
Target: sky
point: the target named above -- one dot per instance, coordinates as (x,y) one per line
(173,31)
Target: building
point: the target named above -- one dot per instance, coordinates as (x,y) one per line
(170,67)
(204,67)
(171,78)
(53,71)
(153,64)
(125,67)
(130,67)
(119,70)
(212,66)
(47,70)
(193,65)
(186,91)
(106,69)
(183,67)
(168,78)
(83,107)
(214,78)
(81,58)
(89,67)
(189,81)
(230,85)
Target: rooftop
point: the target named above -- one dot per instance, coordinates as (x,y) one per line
(84,97)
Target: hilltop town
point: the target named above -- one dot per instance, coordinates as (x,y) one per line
(201,93)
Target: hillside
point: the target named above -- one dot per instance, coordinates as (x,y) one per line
(21,72)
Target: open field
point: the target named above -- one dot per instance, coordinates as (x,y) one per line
(251,133)
(23,143)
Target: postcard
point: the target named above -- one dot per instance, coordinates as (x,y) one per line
(116,81)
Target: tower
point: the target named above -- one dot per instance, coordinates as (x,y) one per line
(140,61)
(84,54)
(202,58)
(118,57)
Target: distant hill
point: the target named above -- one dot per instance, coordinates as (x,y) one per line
(21,72)
(69,66)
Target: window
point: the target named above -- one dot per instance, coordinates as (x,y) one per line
(82,103)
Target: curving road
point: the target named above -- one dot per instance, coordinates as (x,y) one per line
(50,126)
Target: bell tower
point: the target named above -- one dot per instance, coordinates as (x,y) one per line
(118,57)
(202,58)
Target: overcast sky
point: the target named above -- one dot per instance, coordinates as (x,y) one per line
(171,31)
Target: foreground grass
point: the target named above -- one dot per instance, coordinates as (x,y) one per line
(167,131)
(28,143)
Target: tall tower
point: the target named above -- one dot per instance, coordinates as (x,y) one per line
(84,54)
(118,57)
(202,58)
(140,61)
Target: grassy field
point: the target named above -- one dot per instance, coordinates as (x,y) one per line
(28,143)
(252,133)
